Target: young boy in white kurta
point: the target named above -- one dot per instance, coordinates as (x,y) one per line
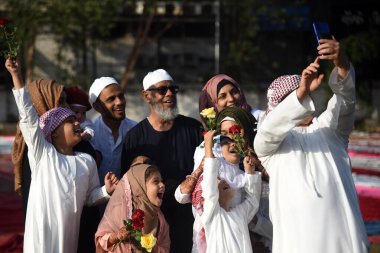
(313,203)
(226,228)
(62,180)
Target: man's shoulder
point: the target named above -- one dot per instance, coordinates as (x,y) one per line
(187,120)
(138,126)
(128,123)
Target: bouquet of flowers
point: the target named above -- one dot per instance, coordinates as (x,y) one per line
(9,43)
(241,145)
(210,115)
(145,242)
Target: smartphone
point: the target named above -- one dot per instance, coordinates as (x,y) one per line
(322,31)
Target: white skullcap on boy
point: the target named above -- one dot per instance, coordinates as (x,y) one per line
(98,85)
(155,77)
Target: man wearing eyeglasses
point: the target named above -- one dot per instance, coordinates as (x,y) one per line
(169,139)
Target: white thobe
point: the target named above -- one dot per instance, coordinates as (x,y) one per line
(313,202)
(227,231)
(110,149)
(60,186)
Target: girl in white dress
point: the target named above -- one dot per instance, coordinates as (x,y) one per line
(226,227)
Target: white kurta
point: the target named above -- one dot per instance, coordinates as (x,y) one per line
(313,202)
(60,186)
(228,231)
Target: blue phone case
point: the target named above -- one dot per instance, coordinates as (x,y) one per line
(322,30)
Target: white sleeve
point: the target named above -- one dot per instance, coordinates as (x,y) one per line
(181,197)
(29,126)
(95,193)
(251,203)
(340,111)
(276,125)
(263,225)
(210,191)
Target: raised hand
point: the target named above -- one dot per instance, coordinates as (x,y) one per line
(310,80)
(209,143)
(13,67)
(332,50)
(110,181)
(248,163)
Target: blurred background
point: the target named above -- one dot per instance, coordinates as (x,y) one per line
(253,41)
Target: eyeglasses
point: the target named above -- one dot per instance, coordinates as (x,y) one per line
(162,90)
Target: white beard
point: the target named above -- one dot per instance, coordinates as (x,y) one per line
(165,114)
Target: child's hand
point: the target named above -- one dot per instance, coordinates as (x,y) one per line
(121,235)
(209,143)
(110,181)
(310,80)
(13,66)
(248,163)
(86,136)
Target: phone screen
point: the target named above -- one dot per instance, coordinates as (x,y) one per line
(322,30)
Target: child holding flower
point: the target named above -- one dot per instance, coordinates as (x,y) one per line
(229,120)
(133,221)
(226,227)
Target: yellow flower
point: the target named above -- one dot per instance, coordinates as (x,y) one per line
(148,241)
(208,113)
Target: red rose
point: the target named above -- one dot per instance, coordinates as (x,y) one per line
(204,132)
(138,219)
(235,129)
(3,21)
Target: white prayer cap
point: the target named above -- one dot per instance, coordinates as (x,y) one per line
(155,77)
(98,85)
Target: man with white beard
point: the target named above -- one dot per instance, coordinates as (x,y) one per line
(169,139)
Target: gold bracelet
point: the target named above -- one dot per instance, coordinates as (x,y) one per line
(192,176)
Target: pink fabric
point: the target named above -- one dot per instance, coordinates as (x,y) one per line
(51,119)
(196,196)
(280,88)
(196,199)
(362,154)
(369,199)
(120,208)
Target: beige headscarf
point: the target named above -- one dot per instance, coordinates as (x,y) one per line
(45,95)
(136,177)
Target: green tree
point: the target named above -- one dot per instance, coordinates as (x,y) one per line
(79,27)
(30,19)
